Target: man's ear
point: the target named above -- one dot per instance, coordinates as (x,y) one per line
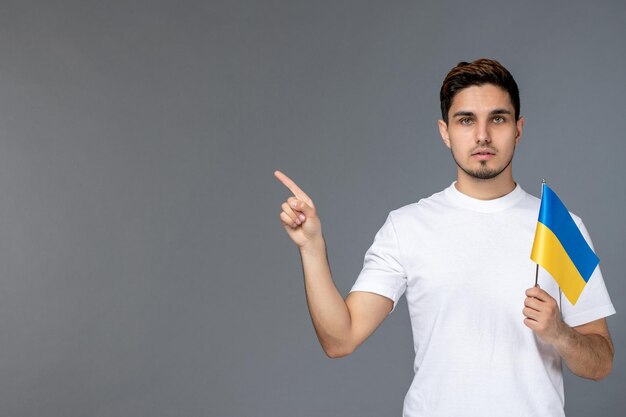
(519,125)
(443,131)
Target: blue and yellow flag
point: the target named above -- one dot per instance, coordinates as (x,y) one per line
(560,248)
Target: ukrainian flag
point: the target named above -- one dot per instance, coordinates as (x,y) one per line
(560,248)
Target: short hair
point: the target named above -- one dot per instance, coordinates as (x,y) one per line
(479,72)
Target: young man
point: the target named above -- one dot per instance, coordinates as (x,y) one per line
(485,343)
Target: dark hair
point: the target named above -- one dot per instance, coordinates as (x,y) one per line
(479,72)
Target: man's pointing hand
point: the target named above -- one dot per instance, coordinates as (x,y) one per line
(298,214)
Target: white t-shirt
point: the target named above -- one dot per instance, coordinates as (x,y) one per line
(465,266)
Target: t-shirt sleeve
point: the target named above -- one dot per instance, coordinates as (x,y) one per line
(382,271)
(594,302)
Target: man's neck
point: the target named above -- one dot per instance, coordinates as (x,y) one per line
(485,189)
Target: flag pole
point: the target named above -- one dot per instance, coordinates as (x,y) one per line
(543,182)
(536,275)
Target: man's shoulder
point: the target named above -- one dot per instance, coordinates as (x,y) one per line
(435,203)
(531,202)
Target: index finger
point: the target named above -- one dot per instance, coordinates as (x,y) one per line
(287,182)
(537,293)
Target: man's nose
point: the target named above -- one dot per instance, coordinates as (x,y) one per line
(482,134)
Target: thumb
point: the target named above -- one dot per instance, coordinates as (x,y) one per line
(302,207)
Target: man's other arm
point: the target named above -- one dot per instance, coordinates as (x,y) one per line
(587,349)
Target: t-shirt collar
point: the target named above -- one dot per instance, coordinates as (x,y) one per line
(485,206)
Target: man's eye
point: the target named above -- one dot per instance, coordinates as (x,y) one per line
(466,121)
(498,119)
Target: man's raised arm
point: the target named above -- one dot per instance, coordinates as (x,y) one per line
(340,325)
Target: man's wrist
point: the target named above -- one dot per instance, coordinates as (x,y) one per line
(565,335)
(314,247)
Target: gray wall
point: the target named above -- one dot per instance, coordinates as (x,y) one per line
(144,271)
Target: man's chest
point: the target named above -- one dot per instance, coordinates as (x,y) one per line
(475,255)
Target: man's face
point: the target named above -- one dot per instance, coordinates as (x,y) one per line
(482,131)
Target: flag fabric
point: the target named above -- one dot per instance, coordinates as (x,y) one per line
(560,247)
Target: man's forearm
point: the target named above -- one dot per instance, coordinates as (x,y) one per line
(587,349)
(329,313)
(586,355)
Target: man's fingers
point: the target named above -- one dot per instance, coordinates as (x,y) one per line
(294,216)
(530,313)
(301,207)
(533,303)
(538,293)
(292,186)
(530,323)
(287,221)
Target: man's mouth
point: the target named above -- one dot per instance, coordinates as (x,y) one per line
(483,154)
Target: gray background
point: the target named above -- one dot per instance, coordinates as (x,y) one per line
(144,270)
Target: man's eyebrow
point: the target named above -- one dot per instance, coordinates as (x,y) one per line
(491,113)
(463,113)
(500,111)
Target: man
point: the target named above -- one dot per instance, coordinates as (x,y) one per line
(485,344)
